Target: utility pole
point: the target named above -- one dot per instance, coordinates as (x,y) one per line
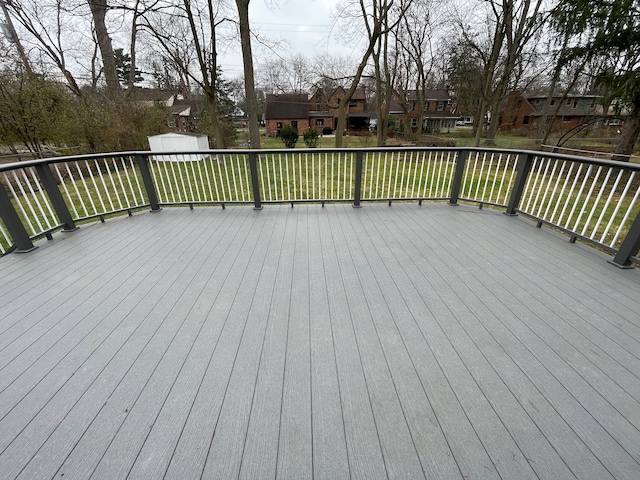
(12,36)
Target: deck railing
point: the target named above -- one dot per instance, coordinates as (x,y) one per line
(593,200)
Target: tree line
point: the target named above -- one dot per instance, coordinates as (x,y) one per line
(63,81)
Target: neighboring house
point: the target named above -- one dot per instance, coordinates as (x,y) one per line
(437,116)
(323,110)
(358,116)
(286,109)
(185,113)
(319,112)
(238,117)
(524,112)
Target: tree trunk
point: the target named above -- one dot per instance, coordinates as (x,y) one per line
(344,101)
(489,69)
(629,137)
(134,36)
(208,65)
(247,63)
(15,39)
(99,13)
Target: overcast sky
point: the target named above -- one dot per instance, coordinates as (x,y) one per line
(305,25)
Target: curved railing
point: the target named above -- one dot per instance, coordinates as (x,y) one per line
(593,200)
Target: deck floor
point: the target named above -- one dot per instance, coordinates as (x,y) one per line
(383,342)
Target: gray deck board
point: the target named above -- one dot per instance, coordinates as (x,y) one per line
(330,458)
(383,342)
(260,453)
(295,458)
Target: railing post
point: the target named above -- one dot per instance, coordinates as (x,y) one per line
(58,203)
(357,189)
(143,164)
(457,177)
(13,223)
(255,183)
(630,246)
(524,166)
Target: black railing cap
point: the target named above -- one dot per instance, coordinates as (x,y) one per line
(95,156)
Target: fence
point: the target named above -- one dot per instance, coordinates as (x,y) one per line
(590,199)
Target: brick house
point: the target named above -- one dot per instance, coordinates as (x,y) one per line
(437,116)
(319,112)
(286,109)
(524,112)
(322,114)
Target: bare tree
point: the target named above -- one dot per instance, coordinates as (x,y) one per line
(187,34)
(285,75)
(45,25)
(521,21)
(249,78)
(376,16)
(99,12)
(385,79)
(512,25)
(13,38)
(414,39)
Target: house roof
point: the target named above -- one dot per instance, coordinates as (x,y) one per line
(439,94)
(185,108)
(359,94)
(287,105)
(139,94)
(572,105)
(395,108)
(338,92)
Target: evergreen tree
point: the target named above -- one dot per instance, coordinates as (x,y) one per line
(607,32)
(123,68)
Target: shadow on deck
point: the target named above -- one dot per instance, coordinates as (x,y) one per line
(382,342)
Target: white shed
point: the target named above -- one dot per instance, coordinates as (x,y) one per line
(179,142)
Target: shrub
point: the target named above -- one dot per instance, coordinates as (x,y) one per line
(289,136)
(311,138)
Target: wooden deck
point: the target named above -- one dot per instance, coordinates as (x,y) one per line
(383,342)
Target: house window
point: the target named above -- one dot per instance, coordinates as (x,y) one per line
(353,103)
(568,101)
(553,102)
(294,124)
(519,105)
(428,107)
(319,122)
(318,107)
(414,122)
(575,104)
(278,125)
(440,106)
(566,119)
(412,106)
(525,120)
